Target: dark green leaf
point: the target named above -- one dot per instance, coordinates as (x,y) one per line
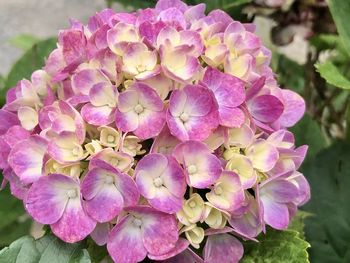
(277,247)
(329,229)
(24,41)
(332,75)
(307,131)
(340,10)
(32,60)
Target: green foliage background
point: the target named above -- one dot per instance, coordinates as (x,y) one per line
(320,233)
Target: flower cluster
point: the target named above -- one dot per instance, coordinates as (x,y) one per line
(157,133)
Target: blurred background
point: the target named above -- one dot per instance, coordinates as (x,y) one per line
(310,41)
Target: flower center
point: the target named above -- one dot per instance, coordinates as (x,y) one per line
(76,151)
(184,117)
(218,190)
(72,193)
(110,138)
(192,204)
(137,222)
(109,179)
(141,68)
(192,169)
(158,182)
(138,109)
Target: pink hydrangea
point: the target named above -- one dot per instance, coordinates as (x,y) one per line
(156,132)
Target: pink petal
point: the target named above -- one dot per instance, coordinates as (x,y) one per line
(47,198)
(208,166)
(223,248)
(125,242)
(8,119)
(294,108)
(166,197)
(75,224)
(266,108)
(160,232)
(100,233)
(28,163)
(150,124)
(166,4)
(231,117)
(84,80)
(97,116)
(103,199)
(181,245)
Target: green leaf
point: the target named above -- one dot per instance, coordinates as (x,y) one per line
(22,250)
(297,224)
(14,222)
(332,75)
(48,249)
(328,231)
(290,73)
(32,60)
(53,250)
(277,247)
(135,4)
(24,41)
(307,131)
(340,10)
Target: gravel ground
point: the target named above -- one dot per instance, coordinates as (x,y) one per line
(41,18)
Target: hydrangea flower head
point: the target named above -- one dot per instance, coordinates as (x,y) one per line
(161,133)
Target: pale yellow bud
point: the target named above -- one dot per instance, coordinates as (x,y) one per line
(194,234)
(109,137)
(93,147)
(132,146)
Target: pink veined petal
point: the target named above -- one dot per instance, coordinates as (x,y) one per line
(84,80)
(97,116)
(280,190)
(206,167)
(263,155)
(166,4)
(103,94)
(100,233)
(166,202)
(181,245)
(194,13)
(127,100)
(159,230)
(47,198)
(229,90)
(200,100)
(174,17)
(294,108)
(148,97)
(275,214)
(187,256)
(18,189)
(28,163)
(8,119)
(161,180)
(125,242)
(127,121)
(266,108)
(223,248)
(150,125)
(231,117)
(103,199)
(75,224)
